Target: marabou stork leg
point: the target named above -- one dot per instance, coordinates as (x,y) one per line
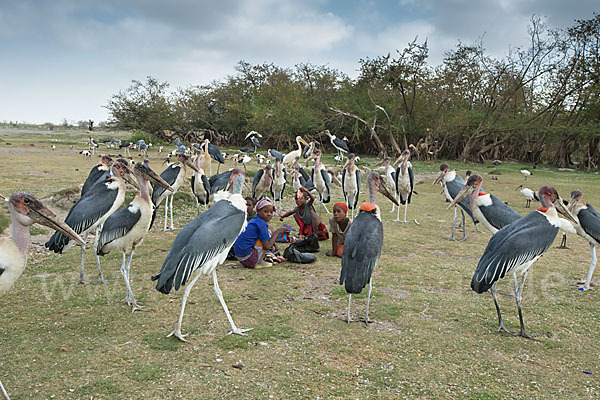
(197,206)
(563,242)
(518,298)
(186,293)
(130,298)
(234,329)
(348,320)
(476,228)
(393,205)
(405,210)
(366,320)
(453,225)
(397,215)
(325,207)
(171,211)
(3,391)
(464,227)
(501,326)
(96,239)
(166,211)
(81,280)
(588,281)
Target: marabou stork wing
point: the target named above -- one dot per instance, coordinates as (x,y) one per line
(343,186)
(118,225)
(170,176)
(499,214)
(219,181)
(193,182)
(393,176)
(312,174)
(95,174)
(357,172)
(341,143)
(590,221)
(255,141)
(206,185)
(512,246)
(215,153)
(200,241)
(327,181)
(411,177)
(362,248)
(304,174)
(256,180)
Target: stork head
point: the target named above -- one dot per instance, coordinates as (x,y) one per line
(236,181)
(549,198)
(387,161)
(376,184)
(405,154)
(144,171)
(575,199)
(29,210)
(121,168)
(185,160)
(473,183)
(106,159)
(441,174)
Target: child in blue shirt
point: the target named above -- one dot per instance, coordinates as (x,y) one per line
(250,246)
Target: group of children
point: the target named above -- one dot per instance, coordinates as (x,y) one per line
(255,247)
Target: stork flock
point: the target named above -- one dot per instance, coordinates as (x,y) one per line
(199,247)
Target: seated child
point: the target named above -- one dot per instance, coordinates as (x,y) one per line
(250,247)
(305,215)
(338,226)
(250,211)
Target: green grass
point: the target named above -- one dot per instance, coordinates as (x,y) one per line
(432,337)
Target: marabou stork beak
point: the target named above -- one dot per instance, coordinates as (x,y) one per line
(128,178)
(560,207)
(464,192)
(385,190)
(44,216)
(152,176)
(190,164)
(441,175)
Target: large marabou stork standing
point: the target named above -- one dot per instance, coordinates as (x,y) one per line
(90,211)
(588,228)
(216,155)
(174,175)
(363,243)
(96,172)
(25,210)
(125,229)
(351,183)
(200,184)
(488,209)
(202,245)
(452,184)
(290,158)
(340,144)
(514,248)
(322,182)
(203,159)
(279,182)
(262,181)
(405,182)
(253,136)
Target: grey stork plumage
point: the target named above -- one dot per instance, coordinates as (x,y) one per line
(339,144)
(174,175)
(279,182)
(452,184)
(322,182)
(262,182)
(96,172)
(488,209)
(202,245)
(125,229)
(253,136)
(90,211)
(405,182)
(290,158)
(351,183)
(514,248)
(200,185)
(275,154)
(220,181)
(363,243)
(588,227)
(528,194)
(25,210)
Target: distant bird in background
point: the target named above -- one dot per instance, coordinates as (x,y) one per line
(405,182)
(526,173)
(340,145)
(528,194)
(588,227)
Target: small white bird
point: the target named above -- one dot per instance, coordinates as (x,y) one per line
(526,173)
(529,195)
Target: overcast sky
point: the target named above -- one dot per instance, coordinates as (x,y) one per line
(64,59)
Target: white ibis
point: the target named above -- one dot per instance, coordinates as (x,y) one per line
(290,158)
(588,228)
(340,144)
(514,248)
(90,211)
(528,194)
(390,177)
(96,172)
(405,182)
(202,245)
(322,182)
(200,186)
(363,243)
(452,184)
(174,175)
(125,229)
(488,209)
(279,182)
(526,173)
(351,183)
(25,210)
(262,182)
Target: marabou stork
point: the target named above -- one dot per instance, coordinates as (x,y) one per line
(90,211)
(220,181)
(588,228)
(405,182)
(275,154)
(351,183)
(390,177)
(262,182)
(452,184)
(126,146)
(214,153)
(279,182)
(25,210)
(203,158)
(125,229)
(364,242)
(340,144)
(322,182)
(202,245)
(492,212)
(200,185)
(528,194)
(255,142)
(174,175)
(290,158)
(96,172)
(514,248)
